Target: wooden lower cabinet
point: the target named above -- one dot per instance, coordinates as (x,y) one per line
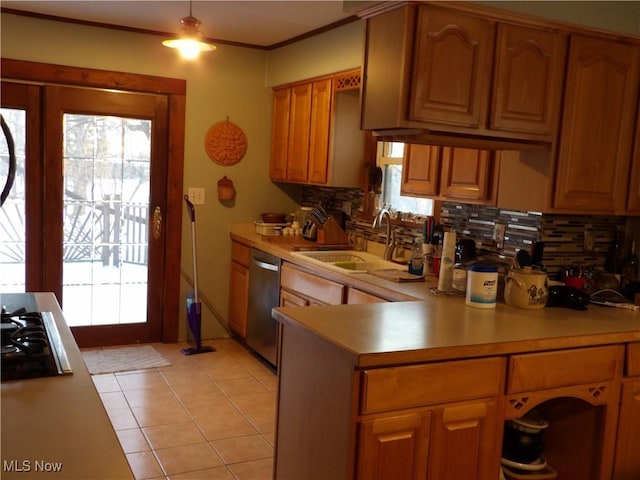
(302,286)
(471,428)
(435,420)
(239,288)
(394,447)
(627,459)
(289,299)
(450,441)
(355,296)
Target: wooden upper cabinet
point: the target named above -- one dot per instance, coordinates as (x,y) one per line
(599,113)
(447,173)
(467,175)
(452,68)
(420,170)
(633,199)
(319,134)
(455,75)
(529,74)
(280,134)
(299,133)
(316,137)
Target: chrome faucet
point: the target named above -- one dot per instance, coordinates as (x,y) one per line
(391,235)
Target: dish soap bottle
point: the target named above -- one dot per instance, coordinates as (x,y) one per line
(416,264)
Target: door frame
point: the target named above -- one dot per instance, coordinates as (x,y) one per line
(175,90)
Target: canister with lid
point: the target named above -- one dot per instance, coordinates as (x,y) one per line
(482,285)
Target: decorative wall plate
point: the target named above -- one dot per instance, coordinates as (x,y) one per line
(225,143)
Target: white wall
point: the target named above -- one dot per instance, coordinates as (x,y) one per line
(230,82)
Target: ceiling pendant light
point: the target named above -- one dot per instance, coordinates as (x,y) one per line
(190,41)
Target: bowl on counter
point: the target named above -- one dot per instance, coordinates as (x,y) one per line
(271,217)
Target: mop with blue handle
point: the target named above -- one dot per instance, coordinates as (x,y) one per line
(194,307)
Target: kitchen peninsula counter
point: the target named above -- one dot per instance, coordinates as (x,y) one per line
(444,328)
(57,427)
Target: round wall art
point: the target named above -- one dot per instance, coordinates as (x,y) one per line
(225,143)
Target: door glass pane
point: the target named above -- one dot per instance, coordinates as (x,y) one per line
(106,205)
(12,213)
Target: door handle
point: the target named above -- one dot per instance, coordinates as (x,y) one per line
(156,222)
(266,266)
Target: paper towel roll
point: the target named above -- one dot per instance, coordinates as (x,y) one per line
(445,279)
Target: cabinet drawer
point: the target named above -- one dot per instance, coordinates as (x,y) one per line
(633,359)
(418,385)
(240,253)
(355,296)
(539,371)
(310,285)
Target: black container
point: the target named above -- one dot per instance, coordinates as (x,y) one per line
(522,440)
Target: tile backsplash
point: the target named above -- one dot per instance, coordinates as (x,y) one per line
(563,235)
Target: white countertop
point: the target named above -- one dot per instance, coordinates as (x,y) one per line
(58,422)
(421,327)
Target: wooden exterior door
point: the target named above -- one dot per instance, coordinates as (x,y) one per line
(74,232)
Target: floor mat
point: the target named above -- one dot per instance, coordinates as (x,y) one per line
(122,359)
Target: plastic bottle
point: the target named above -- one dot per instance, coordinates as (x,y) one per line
(416,264)
(482,286)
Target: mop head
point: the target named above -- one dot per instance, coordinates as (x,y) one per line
(194,311)
(196,350)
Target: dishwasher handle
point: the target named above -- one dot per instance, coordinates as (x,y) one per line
(265,265)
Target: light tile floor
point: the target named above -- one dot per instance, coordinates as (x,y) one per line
(207,416)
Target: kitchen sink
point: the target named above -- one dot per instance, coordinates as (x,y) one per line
(348,261)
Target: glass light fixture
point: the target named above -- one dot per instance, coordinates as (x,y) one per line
(190,41)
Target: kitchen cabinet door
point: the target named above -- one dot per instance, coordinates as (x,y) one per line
(597,128)
(529,75)
(238,298)
(280,134)
(394,447)
(319,133)
(452,68)
(299,133)
(470,428)
(467,174)
(355,296)
(627,460)
(289,299)
(420,170)
(633,198)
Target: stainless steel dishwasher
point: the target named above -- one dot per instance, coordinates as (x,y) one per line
(264,294)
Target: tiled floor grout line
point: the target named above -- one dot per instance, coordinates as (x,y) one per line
(250,371)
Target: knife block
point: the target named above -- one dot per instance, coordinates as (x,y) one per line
(330,233)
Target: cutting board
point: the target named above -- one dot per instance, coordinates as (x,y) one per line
(396,275)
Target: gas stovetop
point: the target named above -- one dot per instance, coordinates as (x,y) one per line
(31,346)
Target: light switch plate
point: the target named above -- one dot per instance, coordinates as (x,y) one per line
(196,195)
